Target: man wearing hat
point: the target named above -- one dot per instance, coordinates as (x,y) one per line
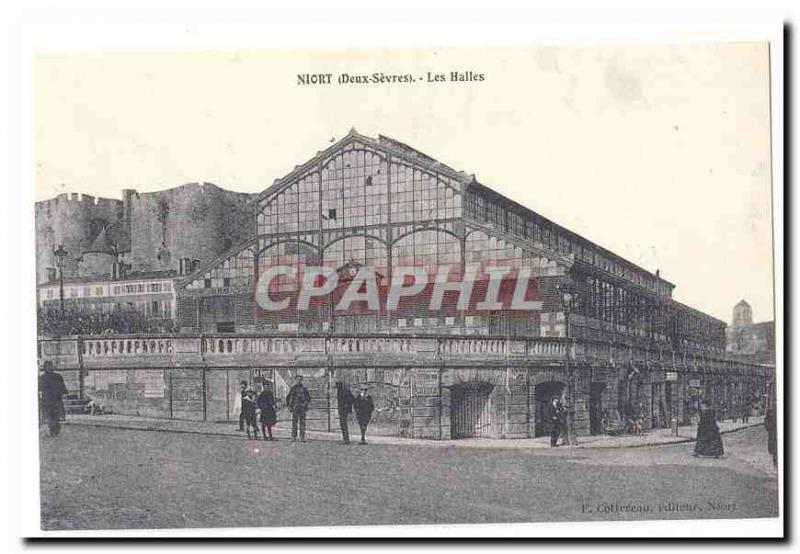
(555,413)
(298,401)
(344,402)
(52,390)
(363,406)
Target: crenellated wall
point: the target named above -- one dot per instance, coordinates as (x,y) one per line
(150,231)
(72,220)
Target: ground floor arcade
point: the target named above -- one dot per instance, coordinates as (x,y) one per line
(435,402)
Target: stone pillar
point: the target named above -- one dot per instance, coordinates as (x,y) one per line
(516,405)
(531,403)
(405,400)
(425,404)
(581,400)
(444,402)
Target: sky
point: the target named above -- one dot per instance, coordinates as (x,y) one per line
(658,153)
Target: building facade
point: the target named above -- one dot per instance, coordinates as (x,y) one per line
(605,334)
(109,304)
(748,340)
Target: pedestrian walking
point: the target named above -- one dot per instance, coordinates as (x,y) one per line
(298,401)
(51,397)
(344,402)
(771,425)
(238,403)
(249,408)
(268,408)
(363,406)
(709,440)
(555,413)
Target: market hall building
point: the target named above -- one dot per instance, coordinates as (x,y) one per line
(607,334)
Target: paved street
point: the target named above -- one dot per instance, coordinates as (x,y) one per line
(95,478)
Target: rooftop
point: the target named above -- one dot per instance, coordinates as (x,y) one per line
(106,277)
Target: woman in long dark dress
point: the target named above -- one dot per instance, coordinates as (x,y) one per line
(266,403)
(709,441)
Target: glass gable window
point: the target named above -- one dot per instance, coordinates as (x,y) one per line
(354,190)
(421,196)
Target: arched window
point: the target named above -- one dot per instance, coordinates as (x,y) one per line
(427,248)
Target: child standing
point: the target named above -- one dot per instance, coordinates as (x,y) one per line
(249,413)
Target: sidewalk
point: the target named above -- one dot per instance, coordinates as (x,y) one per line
(653,437)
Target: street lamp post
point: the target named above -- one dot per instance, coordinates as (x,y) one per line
(568,297)
(60,254)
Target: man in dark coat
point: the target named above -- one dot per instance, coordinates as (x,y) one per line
(242,394)
(344,401)
(363,406)
(298,401)
(555,414)
(771,425)
(52,391)
(266,404)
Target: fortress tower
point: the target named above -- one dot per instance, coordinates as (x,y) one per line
(80,223)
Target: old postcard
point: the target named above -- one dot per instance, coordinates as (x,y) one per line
(296,287)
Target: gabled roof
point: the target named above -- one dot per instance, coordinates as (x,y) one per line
(742,303)
(382,143)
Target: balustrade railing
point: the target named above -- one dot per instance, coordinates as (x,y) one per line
(173,349)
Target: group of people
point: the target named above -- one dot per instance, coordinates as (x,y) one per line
(262,408)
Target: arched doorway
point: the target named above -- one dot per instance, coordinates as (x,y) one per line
(543,394)
(471,410)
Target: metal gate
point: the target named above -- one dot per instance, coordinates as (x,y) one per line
(470,410)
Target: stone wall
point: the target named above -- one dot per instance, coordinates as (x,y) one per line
(196,220)
(409,402)
(72,220)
